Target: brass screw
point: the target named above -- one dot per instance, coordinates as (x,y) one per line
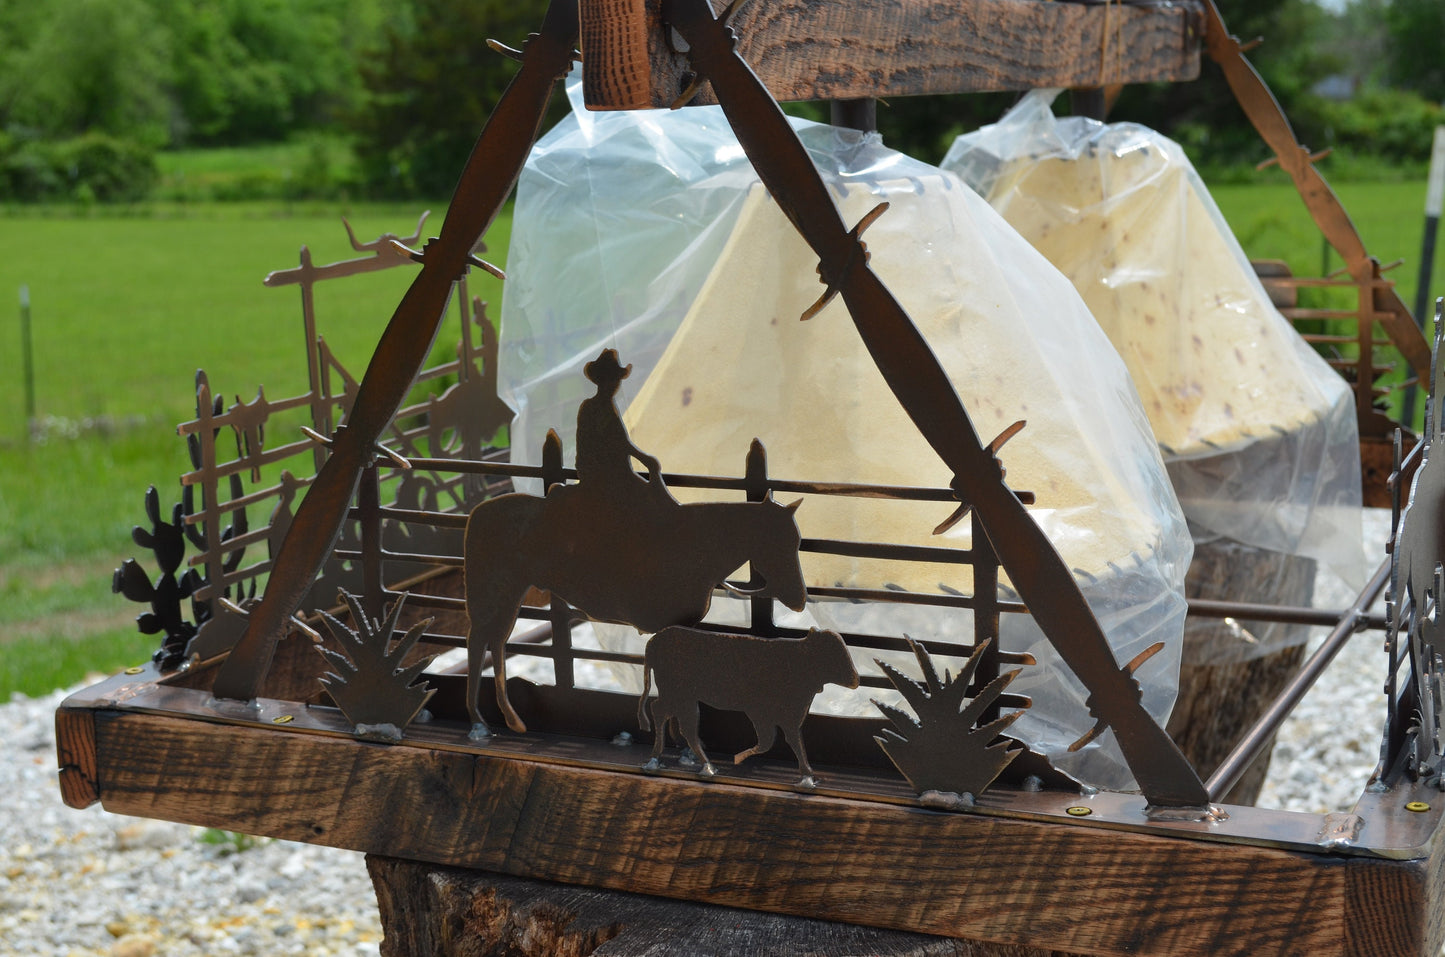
(282,719)
(1080,811)
(1417,806)
(137,669)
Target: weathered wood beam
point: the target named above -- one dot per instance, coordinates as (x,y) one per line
(807,50)
(452,912)
(1078,888)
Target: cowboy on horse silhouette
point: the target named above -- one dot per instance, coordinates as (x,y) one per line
(605,450)
(615,545)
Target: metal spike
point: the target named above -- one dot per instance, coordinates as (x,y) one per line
(488,267)
(689,90)
(401,461)
(732,10)
(315,436)
(509,52)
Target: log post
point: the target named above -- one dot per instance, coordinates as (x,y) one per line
(454,912)
(1223,686)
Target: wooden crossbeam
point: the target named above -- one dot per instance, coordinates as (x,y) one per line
(806,50)
(1036,883)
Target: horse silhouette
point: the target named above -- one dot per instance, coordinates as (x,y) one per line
(650,565)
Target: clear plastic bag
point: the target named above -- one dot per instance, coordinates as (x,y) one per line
(1259,433)
(708,314)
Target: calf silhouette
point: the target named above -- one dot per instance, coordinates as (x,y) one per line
(771,680)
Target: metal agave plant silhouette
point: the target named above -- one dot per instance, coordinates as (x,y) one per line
(941,750)
(378,696)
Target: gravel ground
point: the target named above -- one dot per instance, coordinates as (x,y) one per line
(93,883)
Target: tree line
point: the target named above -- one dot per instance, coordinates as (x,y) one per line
(90,89)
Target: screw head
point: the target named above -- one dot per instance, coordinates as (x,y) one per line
(1079,810)
(1418,807)
(282,719)
(135,670)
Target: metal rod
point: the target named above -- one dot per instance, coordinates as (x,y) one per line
(860,114)
(1090,102)
(1285,614)
(902,553)
(369,504)
(909,598)
(755,474)
(1249,748)
(421,558)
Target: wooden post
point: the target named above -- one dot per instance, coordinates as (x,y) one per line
(451,912)
(561,613)
(1220,699)
(756,477)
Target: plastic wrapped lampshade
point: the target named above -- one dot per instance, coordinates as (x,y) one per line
(734,363)
(1259,432)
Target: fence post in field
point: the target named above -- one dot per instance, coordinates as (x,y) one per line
(27,357)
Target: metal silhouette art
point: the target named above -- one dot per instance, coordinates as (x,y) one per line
(1417,589)
(615,545)
(167,542)
(609,541)
(485,183)
(378,694)
(771,680)
(1268,118)
(464,419)
(942,747)
(920,384)
(909,366)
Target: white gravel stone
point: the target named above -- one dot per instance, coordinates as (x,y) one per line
(82,883)
(95,884)
(1329,746)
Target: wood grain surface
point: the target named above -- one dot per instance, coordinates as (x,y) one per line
(451,912)
(1026,883)
(76,755)
(806,50)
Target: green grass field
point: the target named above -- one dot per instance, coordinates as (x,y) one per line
(124,309)
(1271,222)
(310,165)
(127,304)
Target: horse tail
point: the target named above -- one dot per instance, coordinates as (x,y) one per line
(642,721)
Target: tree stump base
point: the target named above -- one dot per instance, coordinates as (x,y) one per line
(454,912)
(1225,683)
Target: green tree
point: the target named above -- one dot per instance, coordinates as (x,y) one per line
(86,66)
(1416,49)
(257,70)
(1203,115)
(431,87)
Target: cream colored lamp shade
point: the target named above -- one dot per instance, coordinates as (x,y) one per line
(1259,432)
(738,364)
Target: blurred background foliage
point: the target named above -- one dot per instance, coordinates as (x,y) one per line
(384,99)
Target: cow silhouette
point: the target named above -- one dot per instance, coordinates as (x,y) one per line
(771,680)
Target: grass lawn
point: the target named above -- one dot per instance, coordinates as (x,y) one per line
(126,304)
(1271,222)
(124,309)
(307,165)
